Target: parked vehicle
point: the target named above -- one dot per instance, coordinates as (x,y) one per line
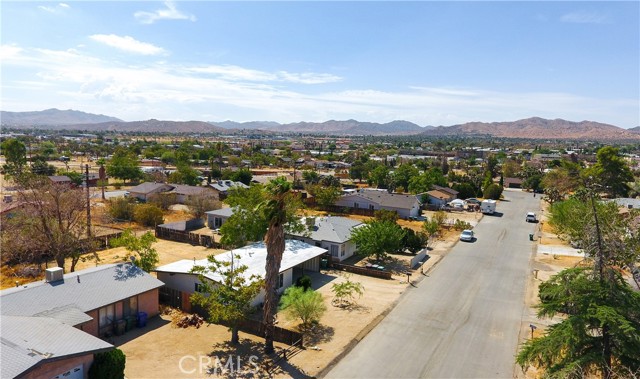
(488,207)
(473,200)
(466,235)
(531,217)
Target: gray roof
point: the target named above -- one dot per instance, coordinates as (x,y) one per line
(386,199)
(182,189)
(223,212)
(330,229)
(27,342)
(67,314)
(627,202)
(96,287)
(148,187)
(225,185)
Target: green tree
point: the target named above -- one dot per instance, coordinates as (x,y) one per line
(310,177)
(493,191)
(39,166)
(404,173)
(147,258)
(227,302)
(413,241)
(378,238)
(326,196)
(121,208)
(124,165)
(245,224)
(386,215)
(200,204)
(344,293)
(15,154)
(308,306)
(108,365)
(431,229)
(380,177)
(148,215)
(611,172)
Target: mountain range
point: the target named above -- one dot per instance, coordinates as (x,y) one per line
(534,127)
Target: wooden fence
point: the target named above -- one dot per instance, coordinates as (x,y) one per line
(290,337)
(362,270)
(186,237)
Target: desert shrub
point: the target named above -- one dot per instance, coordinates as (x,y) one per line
(307,305)
(148,215)
(461,225)
(163,200)
(108,365)
(440,218)
(386,215)
(121,208)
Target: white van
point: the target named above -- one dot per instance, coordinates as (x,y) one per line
(531,217)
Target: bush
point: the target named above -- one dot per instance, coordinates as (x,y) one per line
(121,208)
(108,365)
(304,282)
(492,191)
(461,225)
(148,215)
(308,305)
(386,215)
(163,200)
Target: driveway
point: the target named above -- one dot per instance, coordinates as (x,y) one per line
(463,320)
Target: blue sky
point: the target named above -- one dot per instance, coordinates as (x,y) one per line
(432,63)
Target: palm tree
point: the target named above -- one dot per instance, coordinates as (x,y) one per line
(279,192)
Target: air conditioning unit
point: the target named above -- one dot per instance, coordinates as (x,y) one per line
(54,274)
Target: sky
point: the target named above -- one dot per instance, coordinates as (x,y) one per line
(431,63)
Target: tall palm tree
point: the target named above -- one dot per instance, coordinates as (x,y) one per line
(276,212)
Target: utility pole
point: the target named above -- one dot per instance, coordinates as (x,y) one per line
(86,183)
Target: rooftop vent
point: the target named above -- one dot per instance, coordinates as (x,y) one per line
(53,274)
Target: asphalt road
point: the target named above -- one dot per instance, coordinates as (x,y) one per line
(463,320)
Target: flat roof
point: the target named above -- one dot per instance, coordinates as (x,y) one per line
(253,256)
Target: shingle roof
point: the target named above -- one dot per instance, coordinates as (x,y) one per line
(385,199)
(331,229)
(148,187)
(182,189)
(29,341)
(225,185)
(96,287)
(223,212)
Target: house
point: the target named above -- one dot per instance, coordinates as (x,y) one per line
(331,233)
(216,218)
(145,190)
(97,301)
(44,347)
(180,283)
(221,187)
(439,198)
(512,182)
(60,179)
(405,205)
(184,192)
(452,193)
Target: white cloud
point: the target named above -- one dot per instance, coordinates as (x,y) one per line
(308,77)
(128,44)
(169,13)
(178,92)
(235,73)
(54,9)
(586,17)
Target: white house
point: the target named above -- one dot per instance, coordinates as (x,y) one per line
(216,218)
(406,205)
(298,256)
(331,233)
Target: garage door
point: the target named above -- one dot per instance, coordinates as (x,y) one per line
(74,373)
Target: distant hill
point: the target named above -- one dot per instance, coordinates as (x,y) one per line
(537,128)
(635,130)
(52,117)
(149,126)
(348,127)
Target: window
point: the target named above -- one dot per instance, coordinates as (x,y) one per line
(334,250)
(356,205)
(280,281)
(106,315)
(217,222)
(371,207)
(343,250)
(198,287)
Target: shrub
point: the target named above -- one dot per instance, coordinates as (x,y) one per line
(148,215)
(108,365)
(304,281)
(492,191)
(308,305)
(386,215)
(440,218)
(121,208)
(163,200)
(461,225)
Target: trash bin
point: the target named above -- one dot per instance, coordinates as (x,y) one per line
(530,236)
(131,322)
(142,319)
(120,327)
(324,262)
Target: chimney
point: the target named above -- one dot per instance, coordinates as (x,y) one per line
(53,274)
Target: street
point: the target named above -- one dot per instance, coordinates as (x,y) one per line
(463,320)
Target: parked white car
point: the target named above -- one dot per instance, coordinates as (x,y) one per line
(531,217)
(466,235)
